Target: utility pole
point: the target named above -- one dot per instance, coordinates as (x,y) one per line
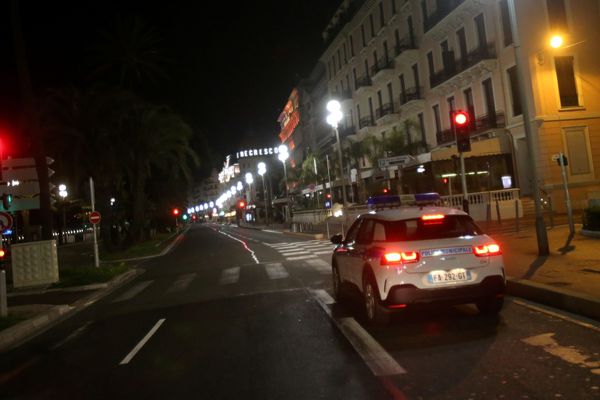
(93,198)
(524,95)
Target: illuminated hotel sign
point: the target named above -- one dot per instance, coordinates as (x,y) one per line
(229,171)
(267,151)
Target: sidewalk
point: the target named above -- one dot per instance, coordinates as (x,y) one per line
(569,278)
(33,310)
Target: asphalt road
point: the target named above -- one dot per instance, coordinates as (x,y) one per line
(234,312)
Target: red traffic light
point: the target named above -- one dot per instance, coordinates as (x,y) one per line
(461,118)
(328,195)
(2,253)
(385,190)
(241,204)
(175,211)
(445,180)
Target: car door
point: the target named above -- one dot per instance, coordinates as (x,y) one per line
(343,258)
(357,253)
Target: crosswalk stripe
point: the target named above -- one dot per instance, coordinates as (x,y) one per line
(181,283)
(230,275)
(276,271)
(323,252)
(133,291)
(292,253)
(306,257)
(321,266)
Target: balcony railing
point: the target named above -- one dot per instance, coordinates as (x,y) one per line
(365,122)
(482,123)
(452,68)
(363,81)
(382,64)
(344,94)
(403,45)
(410,94)
(444,8)
(345,131)
(386,109)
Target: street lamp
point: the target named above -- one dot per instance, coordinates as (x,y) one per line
(335,116)
(262,170)
(283,156)
(556,41)
(62,192)
(524,92)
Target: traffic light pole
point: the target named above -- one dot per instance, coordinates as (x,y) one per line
(463,181)
(93,198)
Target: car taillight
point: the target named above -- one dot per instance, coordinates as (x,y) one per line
(487,250)
(400,257)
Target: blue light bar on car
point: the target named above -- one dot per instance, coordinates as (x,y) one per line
(427,198)
(383,201)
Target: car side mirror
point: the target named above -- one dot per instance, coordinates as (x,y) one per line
(337,239)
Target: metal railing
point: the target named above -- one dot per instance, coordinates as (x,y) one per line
(365,122)
(410,94)
(363,81)
(480,125)
(386,109)
(454,68)
(381,64)
(403,45)
(445,8)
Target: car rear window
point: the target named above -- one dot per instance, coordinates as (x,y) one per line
(416,229)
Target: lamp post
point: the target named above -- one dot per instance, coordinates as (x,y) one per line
(335,116)
(524,94)
(283,156)
(62,192)
(262,170)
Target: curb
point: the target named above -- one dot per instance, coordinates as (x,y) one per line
(28,329)
(563,299)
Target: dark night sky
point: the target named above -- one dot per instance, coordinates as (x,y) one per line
(233,63)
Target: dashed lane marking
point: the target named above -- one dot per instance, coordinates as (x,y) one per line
(134,291)
(181,283)
(276,271)
(306,257)
(321,266)
(142,342)
(230,275)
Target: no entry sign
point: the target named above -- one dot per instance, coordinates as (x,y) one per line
(95,217)
(6,221)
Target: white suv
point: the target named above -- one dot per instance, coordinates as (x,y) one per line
(408,255)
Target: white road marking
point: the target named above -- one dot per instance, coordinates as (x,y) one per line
(557,315)
(321,266)
(181,283)
(134,291)
(252,254)
(301,257)
(322,252)
(292,253)
(230,275)
(379,361)
(142,342)
(276,271)
(569,354)
(271,231)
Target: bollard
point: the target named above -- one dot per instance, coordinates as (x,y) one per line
(498,212)
(517,214)
(3,300)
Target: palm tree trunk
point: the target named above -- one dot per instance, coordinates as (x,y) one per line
(138,201)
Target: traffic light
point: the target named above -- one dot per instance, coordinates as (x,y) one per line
(7,200)
(175,211)
(185,217)
(241,204)
(460,123)
(385,190)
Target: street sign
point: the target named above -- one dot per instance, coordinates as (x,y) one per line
(95,217)
(6,221)
(397,160)
(26,193)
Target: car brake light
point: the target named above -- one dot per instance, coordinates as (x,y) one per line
(397,258)
(2,253)
(432,217)
(487,250)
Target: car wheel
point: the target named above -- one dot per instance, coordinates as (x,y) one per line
(337,284)
(490,306)
(376,314)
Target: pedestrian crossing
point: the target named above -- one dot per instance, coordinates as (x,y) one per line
(296,251)
(252,274)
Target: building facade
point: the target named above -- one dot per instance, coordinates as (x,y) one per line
(404,66)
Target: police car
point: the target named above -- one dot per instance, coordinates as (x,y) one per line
(406,251)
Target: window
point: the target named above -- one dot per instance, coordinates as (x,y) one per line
(345,54)
(386,53)
(339,59)
(557,15)
(351,46)
(450,226)
(365,233)
(352,232)
(451,107)
(567,88)
(390,94)
(358,112)
(362,34)
(348,82)
(422,127)
(381,15)
(470,106)
(488,94)
(514,91)
(480,28)
(578,152)
(329,69)
(397,40)
(366,68)
(415,69)
(393,7)
(402,88)
(411,31)
(333,63)
(372,23)
(430,64)
(371,111)
(354,76)
(506,28)
(436,118)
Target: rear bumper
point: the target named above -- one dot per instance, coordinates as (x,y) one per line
(491,286)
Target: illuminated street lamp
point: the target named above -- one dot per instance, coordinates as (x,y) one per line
(262,170)
(556,41)
(249,180)
(335,116)
(62,192)
(283,156)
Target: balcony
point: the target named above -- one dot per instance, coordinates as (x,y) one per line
(445,8)
(365,122)
(404,45)
(481,125)
(387,109)
(345,131)
(411,94)
(453,68)
(363,81)
(341,95)
(382,65)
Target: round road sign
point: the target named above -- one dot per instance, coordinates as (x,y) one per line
(95,217)
(6,220)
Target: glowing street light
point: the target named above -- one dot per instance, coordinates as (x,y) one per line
(335,116)
(556,41)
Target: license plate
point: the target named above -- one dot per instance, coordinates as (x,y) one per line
(455,275)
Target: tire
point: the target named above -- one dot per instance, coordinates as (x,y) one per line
(374,311)
(490,306)
(337,284)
